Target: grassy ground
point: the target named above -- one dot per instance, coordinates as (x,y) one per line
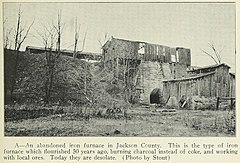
(139,122)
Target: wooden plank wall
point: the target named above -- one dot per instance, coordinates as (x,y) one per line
(184,56)
(154,52)
(117,48)
(193,87)
(232,90)
(211,85)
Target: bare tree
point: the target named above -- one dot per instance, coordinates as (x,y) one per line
(84,40)
(85,69)
(77,27)
(7,34)
(59,30)
(103,41)
(51,35)
(48,39)
(55,34)
(21,33)
(76,37)
(215,55)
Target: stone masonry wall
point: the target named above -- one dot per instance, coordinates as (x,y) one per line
(149,77)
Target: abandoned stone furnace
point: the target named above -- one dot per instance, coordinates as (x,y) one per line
(163,72)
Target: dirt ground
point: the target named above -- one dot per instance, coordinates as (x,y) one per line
(140,122)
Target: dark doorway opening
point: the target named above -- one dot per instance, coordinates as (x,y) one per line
(155,96)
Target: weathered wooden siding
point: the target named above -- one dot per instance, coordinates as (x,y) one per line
(184,56)
(162,53)
(118,48)
(213,84)
(167,54)
(232,81)
(222,81)
(197,86)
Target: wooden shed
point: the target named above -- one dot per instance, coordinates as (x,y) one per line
(211,81)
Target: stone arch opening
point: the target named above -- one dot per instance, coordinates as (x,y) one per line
(155,96)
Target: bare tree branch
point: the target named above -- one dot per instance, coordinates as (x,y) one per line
(6,33)
(215,52)
(59,30)
(221,50)
(84,39)
(17,28)
(105,39)
(25,36)
(19,38)
(76,37)
(210,56)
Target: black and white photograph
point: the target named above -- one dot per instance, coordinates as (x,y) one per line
(125,69)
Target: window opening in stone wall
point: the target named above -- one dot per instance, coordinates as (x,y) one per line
(173,58)
(177,55)
(141,48)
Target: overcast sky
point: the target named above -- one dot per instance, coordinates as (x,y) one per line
(190,25)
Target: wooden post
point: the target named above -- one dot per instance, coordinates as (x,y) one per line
(231,106)
(117,67)
(218,99)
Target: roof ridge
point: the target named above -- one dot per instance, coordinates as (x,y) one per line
(210,66)
(62,50)
(189,78)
